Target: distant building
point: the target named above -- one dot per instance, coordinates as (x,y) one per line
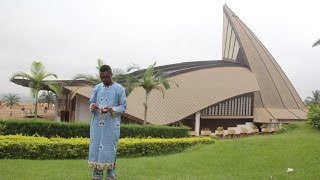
(248,85)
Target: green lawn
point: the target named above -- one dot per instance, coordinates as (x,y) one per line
(258,157)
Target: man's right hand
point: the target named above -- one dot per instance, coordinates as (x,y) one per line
(94,107)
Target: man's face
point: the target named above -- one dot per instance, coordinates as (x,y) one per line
(106,77)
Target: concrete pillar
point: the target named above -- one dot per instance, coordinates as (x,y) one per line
(56,111)
(197,124)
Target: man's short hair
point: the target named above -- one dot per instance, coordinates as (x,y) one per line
(105,68)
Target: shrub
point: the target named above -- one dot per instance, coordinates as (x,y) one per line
(45,128)
(314,115)
(2,128)
(32,147)
(67,130)
(135,130)
(220,128)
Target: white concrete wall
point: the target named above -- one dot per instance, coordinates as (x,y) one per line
(197,124)
(82,113)
(58,118)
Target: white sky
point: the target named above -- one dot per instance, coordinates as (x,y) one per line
(68,36)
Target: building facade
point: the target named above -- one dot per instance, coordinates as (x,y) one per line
(247,85)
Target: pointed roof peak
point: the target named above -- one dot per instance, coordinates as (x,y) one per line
(241,44)
(228,11)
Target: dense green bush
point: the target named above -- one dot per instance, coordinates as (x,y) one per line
(135,130)
(45,128)
(63,129)
(314,115)
(32,147)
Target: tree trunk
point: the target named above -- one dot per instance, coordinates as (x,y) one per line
(36,106)
(146,110)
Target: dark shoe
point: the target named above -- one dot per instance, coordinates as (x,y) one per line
(96,178)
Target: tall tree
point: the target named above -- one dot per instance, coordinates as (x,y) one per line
(127,79)
(47,97)
(314,99)
(152,80)
(317,43)
(95,79)
(36,81)
(11,100)
(119,75)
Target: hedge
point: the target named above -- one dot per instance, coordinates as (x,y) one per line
(314,115)
(64,129)
(32,147)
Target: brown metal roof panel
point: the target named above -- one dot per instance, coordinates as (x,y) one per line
(273,70)
(197,90)
(298,112)
(85,91)
(282,114)
(276,89)
(285,78)
(261,115)
(257,100)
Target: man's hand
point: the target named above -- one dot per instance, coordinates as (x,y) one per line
(94,107)
(106,109)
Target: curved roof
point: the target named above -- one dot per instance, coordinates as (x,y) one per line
(240,43)
(277,98)
(197,90)
(25,83)
(178,68)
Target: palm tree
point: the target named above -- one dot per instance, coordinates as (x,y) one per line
(88,77)
(36,78)
(127,79)
(95,79)
(48,97)
(152,80)
(119,75)
(316,43)
(11,100)
(315,99)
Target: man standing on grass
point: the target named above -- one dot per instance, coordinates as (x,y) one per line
(107,103)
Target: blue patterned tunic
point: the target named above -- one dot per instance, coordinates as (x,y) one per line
(105,129)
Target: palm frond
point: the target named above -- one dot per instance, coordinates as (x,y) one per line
(118,71)
(314,99)
(37,69)
(47,97)
(55,87)
(11,99)
(131,83)
(163,81)
(317,43)
(100,63)
(160,88)
(118,74)
(133,67)
(149,71)
(173,83)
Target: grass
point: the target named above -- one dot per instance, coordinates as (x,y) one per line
(257,157)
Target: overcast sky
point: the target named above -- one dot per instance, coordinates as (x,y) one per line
(68,36)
